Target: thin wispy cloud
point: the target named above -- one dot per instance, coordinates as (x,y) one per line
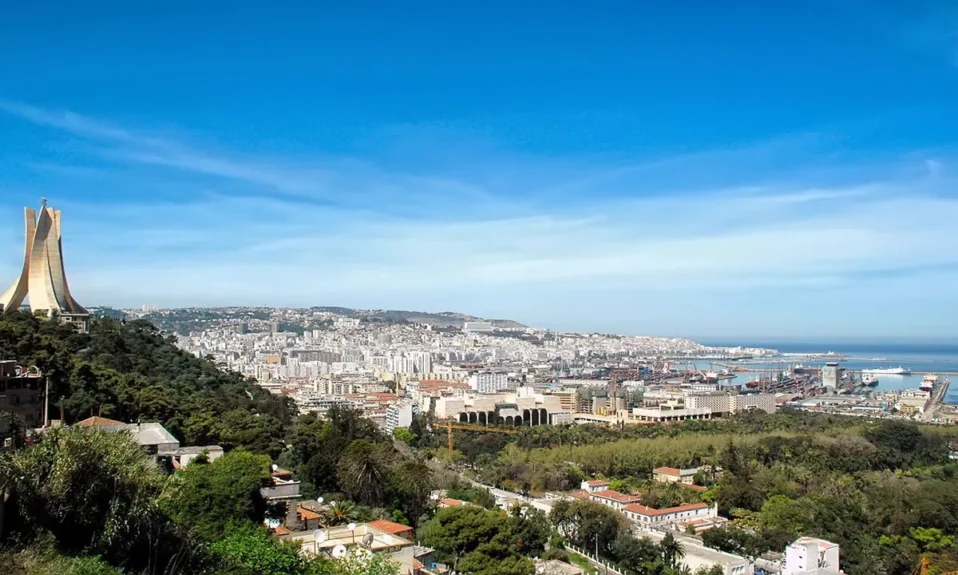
(392,238)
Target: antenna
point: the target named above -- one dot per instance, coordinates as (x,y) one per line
(319,536)
(368,539)
(320,500)
(275,468)
(339,551)
(351,527)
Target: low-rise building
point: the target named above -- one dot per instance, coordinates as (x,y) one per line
(614,499)
(649,517)
(595,485)
(664,414)
(393,540)
(524,407)
(674,475)
(810,556)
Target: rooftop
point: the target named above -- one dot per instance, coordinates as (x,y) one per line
(644,510)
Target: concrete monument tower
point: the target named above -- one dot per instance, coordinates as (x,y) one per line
(43,279)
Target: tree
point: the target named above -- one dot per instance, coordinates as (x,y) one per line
(588,525)
(480,534)
(403,434)
(94,491)
(342,512)
(209,498)
(251,551)
(362,471)
(411,485)
(672,550)
(529,528)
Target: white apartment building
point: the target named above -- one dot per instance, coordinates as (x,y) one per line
(810,556)
(721,403)
(488,382)
(398,415)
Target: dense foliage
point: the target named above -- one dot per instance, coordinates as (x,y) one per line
(131,372)
(92,502)
(885,491)
(347,455)
(478,541)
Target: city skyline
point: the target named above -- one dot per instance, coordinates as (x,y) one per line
(631,177)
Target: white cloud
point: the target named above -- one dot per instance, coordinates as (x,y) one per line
(438,241)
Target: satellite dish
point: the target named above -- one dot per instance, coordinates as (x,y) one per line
(351,527)
(319,536)
(275,467)
(320,500)
(339,551)
(368,539)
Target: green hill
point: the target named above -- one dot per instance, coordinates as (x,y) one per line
(131,372)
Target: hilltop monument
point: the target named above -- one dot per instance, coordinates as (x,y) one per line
(43,278)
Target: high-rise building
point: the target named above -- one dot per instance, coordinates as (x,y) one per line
(488,382)
(398,415)
(43,277)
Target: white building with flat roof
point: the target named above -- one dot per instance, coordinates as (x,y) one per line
(810,556)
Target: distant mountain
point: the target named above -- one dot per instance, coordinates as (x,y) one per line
(441,319)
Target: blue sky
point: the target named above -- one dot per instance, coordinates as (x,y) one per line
(742,169)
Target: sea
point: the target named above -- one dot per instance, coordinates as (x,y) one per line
(936,358)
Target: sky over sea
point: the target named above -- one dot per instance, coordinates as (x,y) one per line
(703,169)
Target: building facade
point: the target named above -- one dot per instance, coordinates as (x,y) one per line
(22,394)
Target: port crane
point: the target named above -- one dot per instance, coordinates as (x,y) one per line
(450,426)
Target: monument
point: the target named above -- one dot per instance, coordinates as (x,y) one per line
(43,278)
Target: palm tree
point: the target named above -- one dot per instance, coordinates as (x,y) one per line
(342,512)
(362,472)
(672,550)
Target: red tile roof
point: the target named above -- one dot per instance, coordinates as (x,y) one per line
(643,510)
(306,514)
(616,496)
(580,494)
(451,502)
(389,527)
(668,471)
(598,482)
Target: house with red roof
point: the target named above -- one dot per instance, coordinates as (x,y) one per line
(614,499)
(647,516)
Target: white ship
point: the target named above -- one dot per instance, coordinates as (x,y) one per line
(888,371)
(869,379)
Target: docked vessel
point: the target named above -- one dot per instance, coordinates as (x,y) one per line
(888,371)
(869,379)
(928,383)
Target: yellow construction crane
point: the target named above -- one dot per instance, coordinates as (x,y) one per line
(922,568)
(450,426)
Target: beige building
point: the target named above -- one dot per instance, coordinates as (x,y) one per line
(43,277)
(524,407)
